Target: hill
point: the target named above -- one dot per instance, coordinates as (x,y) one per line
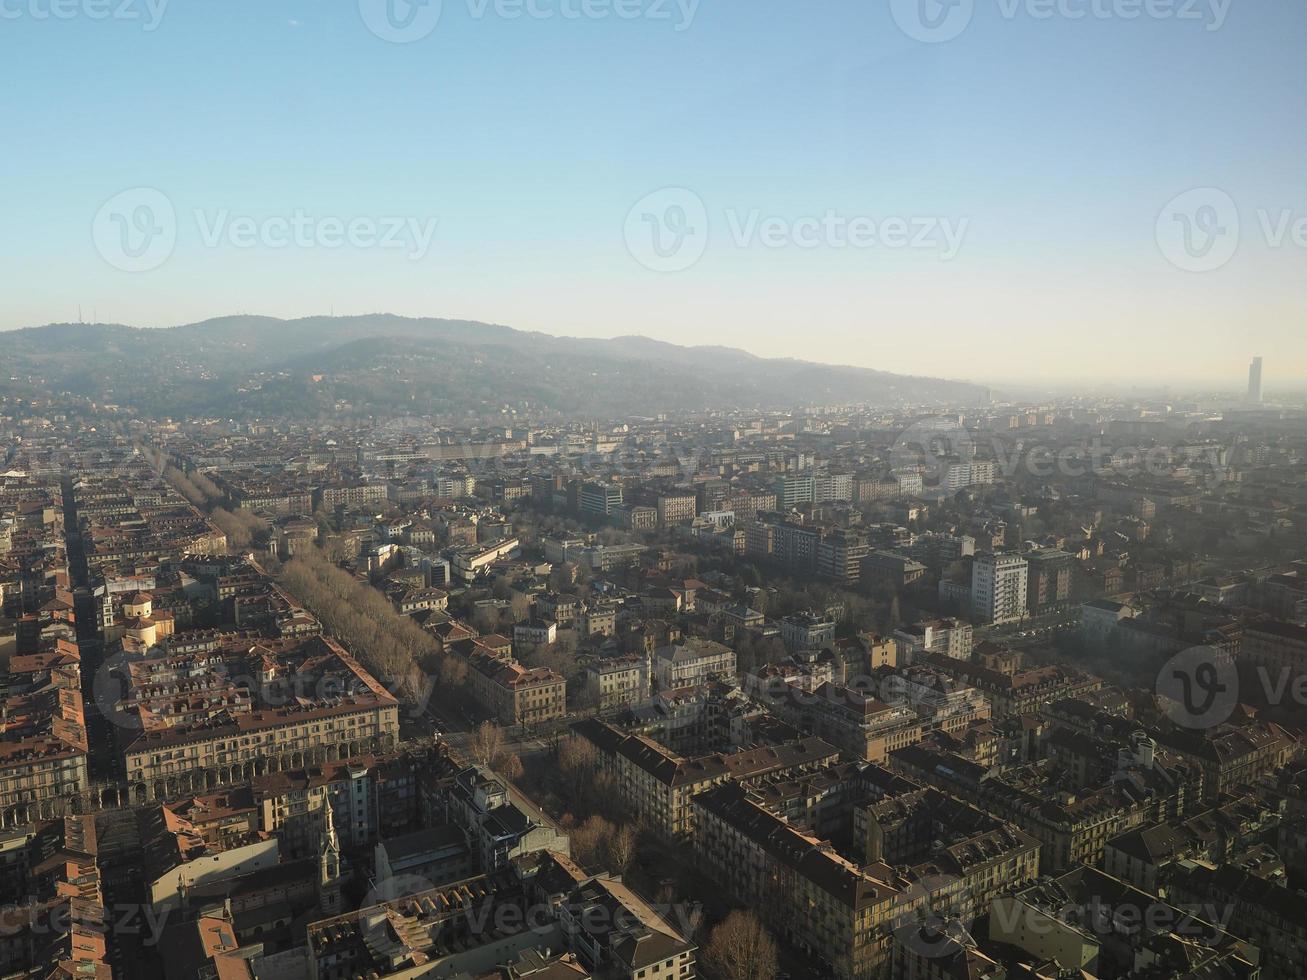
(244,366)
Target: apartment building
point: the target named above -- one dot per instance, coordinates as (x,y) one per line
(514,694)
(811,896)
(999,587)
(861,726)
(599,499)
(1091,923)
(43,742)
(471,561)
(1012,690)
(1048,579)
(305,700)
(840,553)
(617,681)
(1269,914)
(949,637)
(807,631)
(694,661)
(1276,646)
(793,489)
(832,486)
(673,508)
(331,496)
(657,786)
(891,569)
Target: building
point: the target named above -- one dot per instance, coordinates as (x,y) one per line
(542,918)
(471,561)
(511,693)
(807,631)
(43,740)
(1275,646)
(1255,382)
(949,637)
(657,786)
(608,557)
(999,587)
(694,661)
(959,474)
(891,569)
(437,855)
(860,725)
(598,500)
(674,508)
(308,700)
(1048,579)
(1085,920)
(840,554)
(499,823)
(832,486)
(345,495)
(793,489)
(617,681)
(533,633)
(914,851)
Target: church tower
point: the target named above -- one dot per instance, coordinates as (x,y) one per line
(329,871)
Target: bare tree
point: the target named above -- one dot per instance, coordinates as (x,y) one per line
(621,848)
(487,743)
(453,671)
(510,767)
(578,761)
(740,948)
(590,842)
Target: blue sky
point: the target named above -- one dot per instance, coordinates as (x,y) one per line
(1029,162)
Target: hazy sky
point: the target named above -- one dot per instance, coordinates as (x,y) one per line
(992,190)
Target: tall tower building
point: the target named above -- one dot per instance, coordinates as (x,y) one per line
(1255,382)
(998,587)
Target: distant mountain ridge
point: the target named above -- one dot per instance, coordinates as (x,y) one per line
(243,366)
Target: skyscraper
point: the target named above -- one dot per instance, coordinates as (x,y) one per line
(1255,382)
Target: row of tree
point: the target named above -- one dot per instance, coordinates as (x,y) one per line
(391,646)
(242,527)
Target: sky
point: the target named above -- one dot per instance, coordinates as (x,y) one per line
(1022,190)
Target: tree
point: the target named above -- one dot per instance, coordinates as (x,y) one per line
(453,671)
(486,744)
(511,768)
(621,848)
(578,761)
(740,948)
(590,841)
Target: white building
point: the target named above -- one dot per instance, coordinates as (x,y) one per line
(951,637)
(998,587)
(695,661)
